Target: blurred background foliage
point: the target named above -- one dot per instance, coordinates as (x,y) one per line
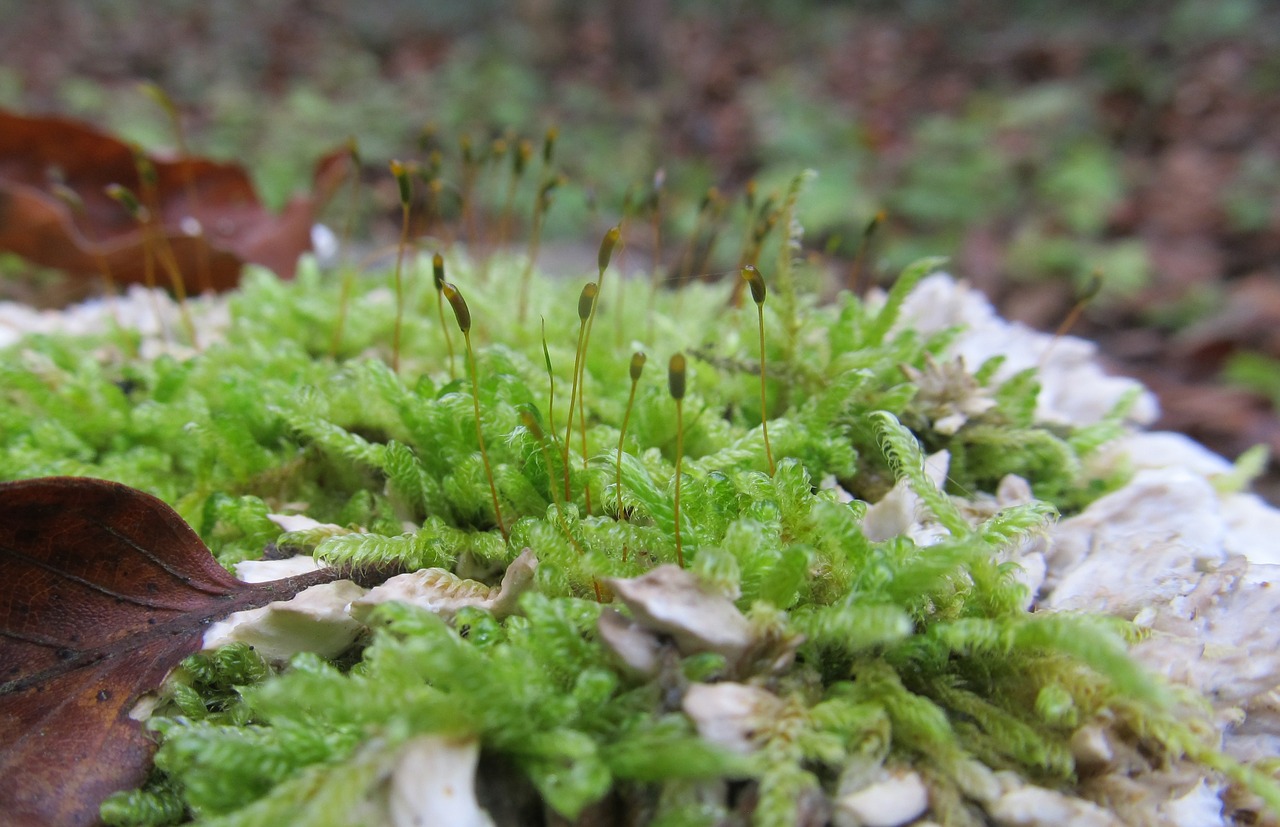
(1033,142)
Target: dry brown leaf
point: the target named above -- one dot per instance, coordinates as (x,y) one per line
(103,590)
(54,209)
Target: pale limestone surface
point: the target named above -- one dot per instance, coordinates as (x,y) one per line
(1196,566)
(897,797)
(433,784)
(444,593)
(731,715)
(299,522)
(260,571)
(671,600)
(638,649)
(1037,807)
(1074,387)
(1148,542)
(901,512)
(153,313)
(317,620)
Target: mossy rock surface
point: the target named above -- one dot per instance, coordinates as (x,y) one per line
(863,655)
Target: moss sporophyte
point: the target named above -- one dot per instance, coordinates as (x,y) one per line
(727,563)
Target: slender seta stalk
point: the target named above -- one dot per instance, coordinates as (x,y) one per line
(463,314)
(529,416)
(75,203)
(1087,295)
(603,257)
(153,230)
(126,199)
(637,367)
(541,203)
(551,376)
(753,278)
(749,207)
(437,272)
(161,97)
(654,205)
(586,304)
(470,171)
(860,259)
(491,171)
(759,226)
(676,384)
(520,156)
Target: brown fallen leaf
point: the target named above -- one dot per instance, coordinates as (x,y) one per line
(103,590)
(55,212)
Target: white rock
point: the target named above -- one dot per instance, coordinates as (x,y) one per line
(637,648)
(894,515)
(1161,551)
(145,705)
(1031,806)
(897,798)
(901,512)
(1013,490)
(1143,450)
(1222,637)
(324,245)
(671,600)
(939,302)
(298,522)
(1091,748)
(1030,573)
(1253,528)
(433,784)
(1074,389)
(315,620)
(1146,543)
(444,593)
(830,483)
(730,715)
(1255,734)
(1251,525)
(136,309)
(1200,807)
(260,571)
(979,782)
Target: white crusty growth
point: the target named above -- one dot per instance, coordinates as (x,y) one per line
(315,620)
(434,784)
(731,715)
(444,593)
(672,601)
(895,797)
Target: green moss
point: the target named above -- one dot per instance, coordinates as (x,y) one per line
(908,653)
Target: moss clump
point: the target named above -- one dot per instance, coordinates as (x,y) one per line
(905,653)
